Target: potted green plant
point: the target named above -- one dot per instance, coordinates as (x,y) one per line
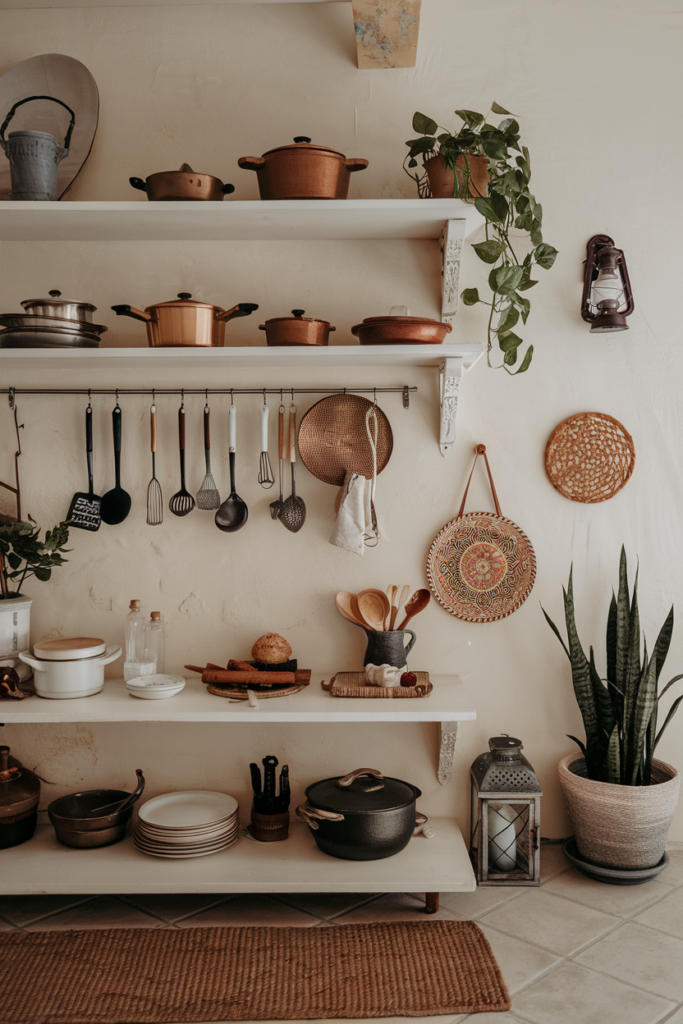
(452,166)
(620,798)
(22,555)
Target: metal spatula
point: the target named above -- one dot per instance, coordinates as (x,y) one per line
(84,510)
(207,495)
(155,503)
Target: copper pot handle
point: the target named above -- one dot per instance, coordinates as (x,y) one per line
(355,164)
(251,163)
(241,309)
(139,184)
(131,311)
(312,815)
(346,780)
(225,189)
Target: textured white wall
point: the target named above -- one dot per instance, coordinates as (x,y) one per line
(595,88)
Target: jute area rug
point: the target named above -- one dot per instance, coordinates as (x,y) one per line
(138,976)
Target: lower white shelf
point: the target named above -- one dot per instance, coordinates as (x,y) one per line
(43,865)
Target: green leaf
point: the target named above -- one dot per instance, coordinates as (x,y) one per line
(14,560)
(526,362)
(423,124)
(488,251)
(507,278)
(423,145)
(509,342)
(42,574)
(470,296)
(470,117)
(646,702)
(663,641)
(508,318)
(536,233)
(545,255)
(497,109)
(495,208)
(672,711)
(510,357)
(526,284)
(613,764)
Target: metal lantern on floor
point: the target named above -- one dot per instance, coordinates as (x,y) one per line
(505,824)
(607,296)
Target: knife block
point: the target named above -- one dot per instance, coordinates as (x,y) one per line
(269,828)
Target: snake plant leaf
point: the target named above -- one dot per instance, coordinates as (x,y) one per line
(559,637)
(670,684)
(603,701)
(583,687)
(663,641)
(613,764)
(672,711)
(646,702)
(578,743)
(622,625)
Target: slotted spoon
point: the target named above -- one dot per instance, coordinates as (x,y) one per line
(276,506)
(293,514)
(207,496)
(155,502)
(182,501)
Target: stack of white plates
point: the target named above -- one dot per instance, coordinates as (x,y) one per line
(194,823)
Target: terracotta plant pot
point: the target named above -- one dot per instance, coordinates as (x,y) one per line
(473,177)
(619,826)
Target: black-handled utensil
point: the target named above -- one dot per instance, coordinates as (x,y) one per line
(84,510)
(233,513)
(116,502)
(182,501)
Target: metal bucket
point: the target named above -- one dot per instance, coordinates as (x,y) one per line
(34,157)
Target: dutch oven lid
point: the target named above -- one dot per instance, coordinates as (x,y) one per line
(401,320)
(298,314)
(363,790)
(19,787)
(184,299)
(71,649)
(302,142)
(56,300)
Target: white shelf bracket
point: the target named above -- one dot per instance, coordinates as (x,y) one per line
(450,375)
(452,238)
(449,731)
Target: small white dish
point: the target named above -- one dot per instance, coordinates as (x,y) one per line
(155,687)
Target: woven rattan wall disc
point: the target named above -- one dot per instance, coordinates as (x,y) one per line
(481,567)
(333,439)
(590,457)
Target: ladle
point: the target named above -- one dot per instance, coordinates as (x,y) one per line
(347,605)
(120,805)
(233,513)
(374,607)
(116,502)
(417,603)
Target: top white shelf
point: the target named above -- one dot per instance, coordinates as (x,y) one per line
(142,221)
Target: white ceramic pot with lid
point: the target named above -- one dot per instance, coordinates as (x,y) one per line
(71,649)
(62,680)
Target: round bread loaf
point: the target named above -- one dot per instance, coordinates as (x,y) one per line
(271,649)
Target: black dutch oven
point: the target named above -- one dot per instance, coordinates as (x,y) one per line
(362,815)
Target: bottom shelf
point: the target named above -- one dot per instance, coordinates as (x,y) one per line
(43,865)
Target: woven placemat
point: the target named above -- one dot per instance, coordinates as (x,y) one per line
(262,692)
(149,976)
(590,457)
(354,684)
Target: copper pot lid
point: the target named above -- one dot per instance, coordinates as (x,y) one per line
(297,314)
(302,142)
(403,320)
(70,649)
(183,300)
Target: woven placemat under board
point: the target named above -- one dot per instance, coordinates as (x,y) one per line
(262,693)
(151,976)
(590,457)
(353,684)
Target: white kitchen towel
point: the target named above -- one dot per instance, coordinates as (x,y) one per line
(349,527)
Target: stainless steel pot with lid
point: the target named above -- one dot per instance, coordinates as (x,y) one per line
(68,309)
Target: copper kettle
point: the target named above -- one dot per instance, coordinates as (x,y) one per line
(19,796)
(184,322)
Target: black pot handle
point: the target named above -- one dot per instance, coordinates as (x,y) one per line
(346,780)
(138,183)
(225,189)
(312,815)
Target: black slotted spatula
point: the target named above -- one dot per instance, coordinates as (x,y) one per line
(84,510)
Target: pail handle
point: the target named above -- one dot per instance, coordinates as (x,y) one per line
(67,138)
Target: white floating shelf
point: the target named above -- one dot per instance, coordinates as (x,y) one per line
(448,702)
(15,5)
(43,865)
(232,220)
(261,357)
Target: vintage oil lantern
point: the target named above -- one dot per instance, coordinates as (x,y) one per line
(505,823)
(607,297)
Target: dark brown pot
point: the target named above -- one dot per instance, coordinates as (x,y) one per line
(472,173)
(302,171)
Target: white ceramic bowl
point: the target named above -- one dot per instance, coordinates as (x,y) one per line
(155,687)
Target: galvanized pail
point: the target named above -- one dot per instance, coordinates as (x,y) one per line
(34,157)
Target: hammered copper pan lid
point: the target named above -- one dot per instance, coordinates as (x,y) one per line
(333,439)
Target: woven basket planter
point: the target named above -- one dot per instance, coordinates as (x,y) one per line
(619,826)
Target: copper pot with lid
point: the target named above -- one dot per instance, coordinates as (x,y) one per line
(296,330)
(19,796)
(400,329)
(185,322)
(182,185)
(303,171)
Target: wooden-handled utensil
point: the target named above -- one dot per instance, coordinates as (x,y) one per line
(394,611)
(276,506)
(208,497)
(391,595)
(347,605)
(373,606)
(293,513)
(417,603)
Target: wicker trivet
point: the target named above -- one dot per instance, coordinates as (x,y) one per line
(351,684)
(590,457)
(241,694)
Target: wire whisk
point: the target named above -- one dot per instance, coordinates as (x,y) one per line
(265,474)
(155,507)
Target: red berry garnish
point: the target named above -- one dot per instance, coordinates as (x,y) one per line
(408,679)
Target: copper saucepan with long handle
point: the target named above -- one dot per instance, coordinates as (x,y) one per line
(184,322)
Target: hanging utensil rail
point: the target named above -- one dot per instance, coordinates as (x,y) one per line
(405,390)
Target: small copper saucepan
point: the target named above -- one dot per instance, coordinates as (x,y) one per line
(184,322)
(296,330)
(185,184)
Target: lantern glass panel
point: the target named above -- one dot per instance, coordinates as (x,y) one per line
(608,292)
(510,845)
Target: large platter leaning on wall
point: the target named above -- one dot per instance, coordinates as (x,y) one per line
(481,566)
(590,457)
(51,74)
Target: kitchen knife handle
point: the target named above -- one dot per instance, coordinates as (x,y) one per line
(281,431)
(207,438)
(255,778)
(181,428)
(153,427)
(116,423)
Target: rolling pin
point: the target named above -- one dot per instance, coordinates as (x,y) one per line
(250,678)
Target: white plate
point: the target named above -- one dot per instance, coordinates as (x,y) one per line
(157,681)
(188,809)
(189,830)
(154,693)
(187,840)
(185,855)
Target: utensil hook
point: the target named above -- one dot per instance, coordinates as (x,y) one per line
(89,409)
(154,400)
(182,398)
(117,406)
(206,400)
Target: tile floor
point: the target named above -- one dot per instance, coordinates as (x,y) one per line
(571,952)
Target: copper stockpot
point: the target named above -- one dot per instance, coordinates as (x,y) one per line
(401,330)
(296,330)
(184,322)
(302,171)
(184,184)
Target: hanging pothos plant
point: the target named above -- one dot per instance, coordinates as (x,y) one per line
(508,205)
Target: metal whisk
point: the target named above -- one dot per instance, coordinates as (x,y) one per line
(155,508)
(265,475)
(207,495)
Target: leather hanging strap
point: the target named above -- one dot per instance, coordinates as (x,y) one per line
(480,450)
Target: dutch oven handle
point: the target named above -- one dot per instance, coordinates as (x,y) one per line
(355,164)
(346,780)
(312,815)
(227,189)
(138,183)
(67,137)
(251,163)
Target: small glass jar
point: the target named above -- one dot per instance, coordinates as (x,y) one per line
(155,643)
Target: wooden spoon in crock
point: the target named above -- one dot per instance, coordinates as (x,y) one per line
(417,603)
(374,606)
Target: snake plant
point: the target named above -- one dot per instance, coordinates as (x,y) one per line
(620,712)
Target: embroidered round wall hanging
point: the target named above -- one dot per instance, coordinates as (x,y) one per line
(481,567)
(590,457)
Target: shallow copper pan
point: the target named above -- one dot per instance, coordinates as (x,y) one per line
(333,439)
(401,330)
(183,185)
